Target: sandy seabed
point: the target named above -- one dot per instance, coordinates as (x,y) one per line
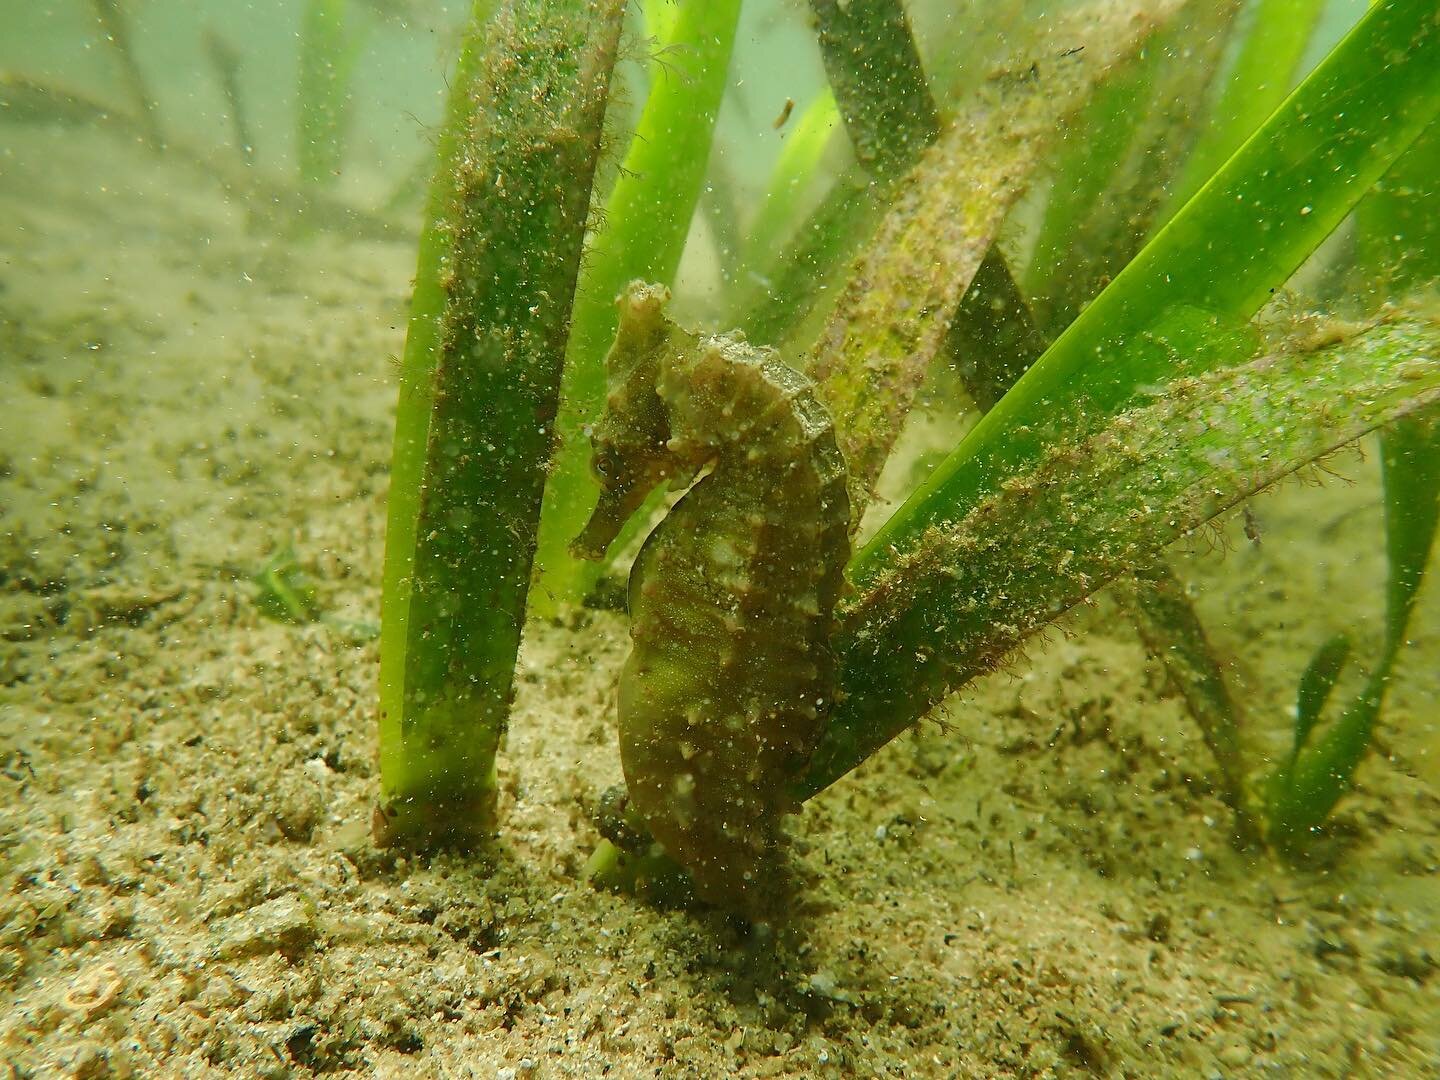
(1038,885)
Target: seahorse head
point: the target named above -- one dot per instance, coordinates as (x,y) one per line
(630,453)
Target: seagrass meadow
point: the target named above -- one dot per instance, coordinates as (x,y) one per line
(776,538)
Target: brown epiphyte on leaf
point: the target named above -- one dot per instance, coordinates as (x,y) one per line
(732,597)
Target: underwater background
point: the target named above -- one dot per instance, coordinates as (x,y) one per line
(198,374)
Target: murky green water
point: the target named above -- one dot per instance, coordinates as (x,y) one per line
(199,364)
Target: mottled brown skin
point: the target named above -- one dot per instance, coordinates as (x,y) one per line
(732,597)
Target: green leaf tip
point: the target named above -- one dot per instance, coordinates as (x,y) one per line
(1316,683)
(284,591)
(1304,791)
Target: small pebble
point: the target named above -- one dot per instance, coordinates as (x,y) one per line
(1235,1055)
(284,925)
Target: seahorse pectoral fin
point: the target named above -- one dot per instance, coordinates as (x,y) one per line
(686,475)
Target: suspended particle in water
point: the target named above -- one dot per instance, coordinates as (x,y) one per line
(1252,525)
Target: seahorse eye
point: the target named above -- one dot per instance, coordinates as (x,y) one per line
(605,463)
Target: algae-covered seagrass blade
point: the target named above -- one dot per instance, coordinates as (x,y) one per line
(488,328)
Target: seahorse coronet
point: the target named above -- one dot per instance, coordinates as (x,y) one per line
(733,594)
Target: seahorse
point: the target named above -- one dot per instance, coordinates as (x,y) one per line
(732,596)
